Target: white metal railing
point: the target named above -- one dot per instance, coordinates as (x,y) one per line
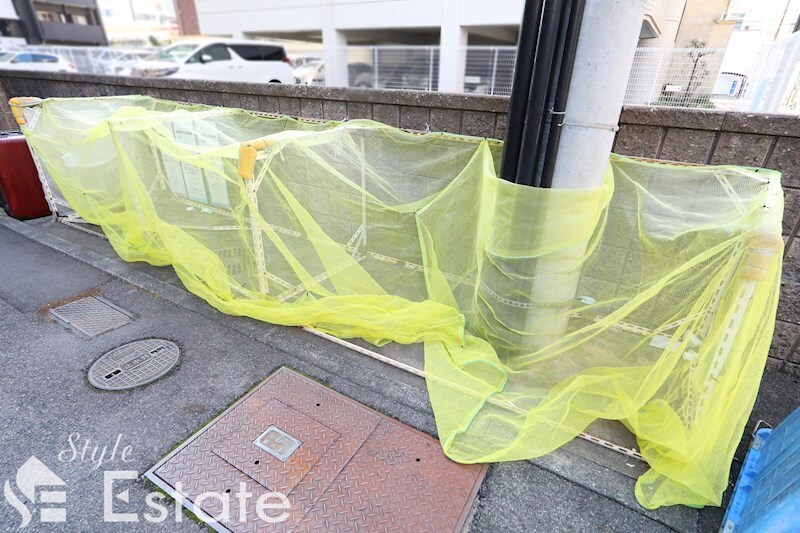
(394,67)
(86,59)
(488,69)
(676,77)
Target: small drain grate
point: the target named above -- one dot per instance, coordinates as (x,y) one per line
(134,364)
(91,316)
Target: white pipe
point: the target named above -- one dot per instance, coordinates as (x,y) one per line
(606,47)
(604,58)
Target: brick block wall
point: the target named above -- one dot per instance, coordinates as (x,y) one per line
(695,136)
(751,139)
(454,113)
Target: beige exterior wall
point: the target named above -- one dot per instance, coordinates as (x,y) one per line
(667,17)
(701,21)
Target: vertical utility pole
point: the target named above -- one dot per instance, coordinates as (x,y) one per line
(573,63)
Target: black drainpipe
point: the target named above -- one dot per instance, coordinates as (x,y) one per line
(571,33)
(545,59)
(520,87)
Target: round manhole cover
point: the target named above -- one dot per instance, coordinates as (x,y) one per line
(134,364)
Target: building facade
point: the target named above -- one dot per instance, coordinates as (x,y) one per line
(757,25)
(140,22)
(681,66)
(186,12)
(76,22)
(450,25)
(10,27)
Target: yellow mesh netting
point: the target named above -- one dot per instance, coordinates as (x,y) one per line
(649,300)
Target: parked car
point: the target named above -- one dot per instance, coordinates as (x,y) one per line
(313,73)
(123,65)
(300,60)
(228,60)
(310,73)
(35,61)
(414,75)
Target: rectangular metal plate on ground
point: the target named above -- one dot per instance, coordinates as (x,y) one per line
(340,465)
(91,316)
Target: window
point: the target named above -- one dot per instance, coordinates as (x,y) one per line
(50,16)
(10,28)
(218,52)
(176,54)
(258,52)
(739,18)
(23,58)
(44,58)
(79,15)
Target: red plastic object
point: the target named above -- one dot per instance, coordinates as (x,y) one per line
(21,192)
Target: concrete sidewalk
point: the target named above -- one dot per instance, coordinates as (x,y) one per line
(48,409)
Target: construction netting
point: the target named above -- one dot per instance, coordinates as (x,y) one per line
(649,300)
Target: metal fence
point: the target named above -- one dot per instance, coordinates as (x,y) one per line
(87,59)
(394,67)
(680,77)
(488,69)
(675,77)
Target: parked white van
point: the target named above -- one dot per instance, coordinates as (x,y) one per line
(227,60)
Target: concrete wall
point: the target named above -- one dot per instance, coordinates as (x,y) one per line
(718,137)
(668,19)
(483,116)
(704,137)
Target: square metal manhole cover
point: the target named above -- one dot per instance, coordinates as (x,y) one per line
(91,316)
(321,462)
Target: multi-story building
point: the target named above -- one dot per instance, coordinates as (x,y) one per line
(139,23)
(757,24)
(186,12)
(680,66)
(770,19)
(10,27)
(451,25)
(72,22)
